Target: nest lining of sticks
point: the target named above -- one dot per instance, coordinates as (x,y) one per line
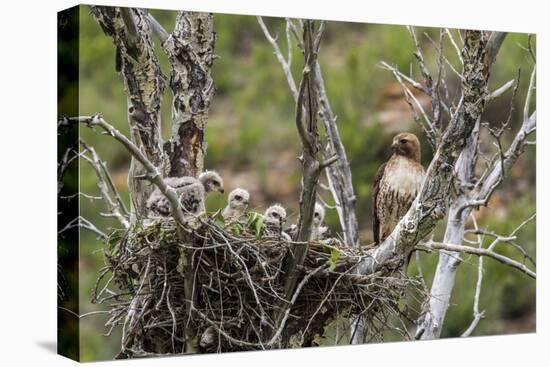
(239,285)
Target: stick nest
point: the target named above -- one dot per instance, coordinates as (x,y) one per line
(239,281)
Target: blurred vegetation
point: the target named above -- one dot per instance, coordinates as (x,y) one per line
(252,141)
(67,267)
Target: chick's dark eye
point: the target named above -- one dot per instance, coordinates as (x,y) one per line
(316,215)
(275,215)
(238,198)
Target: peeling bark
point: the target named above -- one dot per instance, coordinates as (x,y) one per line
(190,50)
(144,84)
(436,307)
(475,94)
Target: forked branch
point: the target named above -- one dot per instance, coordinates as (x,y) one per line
(152,173)
(339,174)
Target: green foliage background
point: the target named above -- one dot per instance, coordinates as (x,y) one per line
(251,132)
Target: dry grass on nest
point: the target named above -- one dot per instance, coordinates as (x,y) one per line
(239,280)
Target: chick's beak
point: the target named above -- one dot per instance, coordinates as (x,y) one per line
(222,190)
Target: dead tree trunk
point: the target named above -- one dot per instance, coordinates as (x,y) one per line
(477,63)
(454,234)
(312,164)
(144,84)
(339,174)
(306,124)
(471,196)
(190,49)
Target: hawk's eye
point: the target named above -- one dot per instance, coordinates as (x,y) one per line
(403,141)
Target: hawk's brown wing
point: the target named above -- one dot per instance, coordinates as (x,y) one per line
(375,220)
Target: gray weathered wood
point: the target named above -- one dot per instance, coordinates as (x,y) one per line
(190,50)
(144,84)
(469,196)
(339,174)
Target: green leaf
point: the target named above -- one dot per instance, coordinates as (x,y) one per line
(237,228)
(255,223)
(219,220)
(259,226)
(252,218)
(114,239)
(334,256)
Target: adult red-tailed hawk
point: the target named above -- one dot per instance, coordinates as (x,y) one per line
(396,185)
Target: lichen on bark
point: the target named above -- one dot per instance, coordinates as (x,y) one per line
(144,84)
(190,50)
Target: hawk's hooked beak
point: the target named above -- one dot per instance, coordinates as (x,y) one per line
(394,145)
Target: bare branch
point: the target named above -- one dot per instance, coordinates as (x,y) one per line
(420,58)
(530,48)
(427,126)
(111,203)
(476,72)
(527,105)
(442,59)
(64,164)
(306,124)
(152,175)
(478,251)
(501,90)
(113,188)
(157,28)
(493,46)
(81,222)
(285,64)
(490,183)
(339,175)
(477,315)
(457,49)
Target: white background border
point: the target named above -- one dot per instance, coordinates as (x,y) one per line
(28,182)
